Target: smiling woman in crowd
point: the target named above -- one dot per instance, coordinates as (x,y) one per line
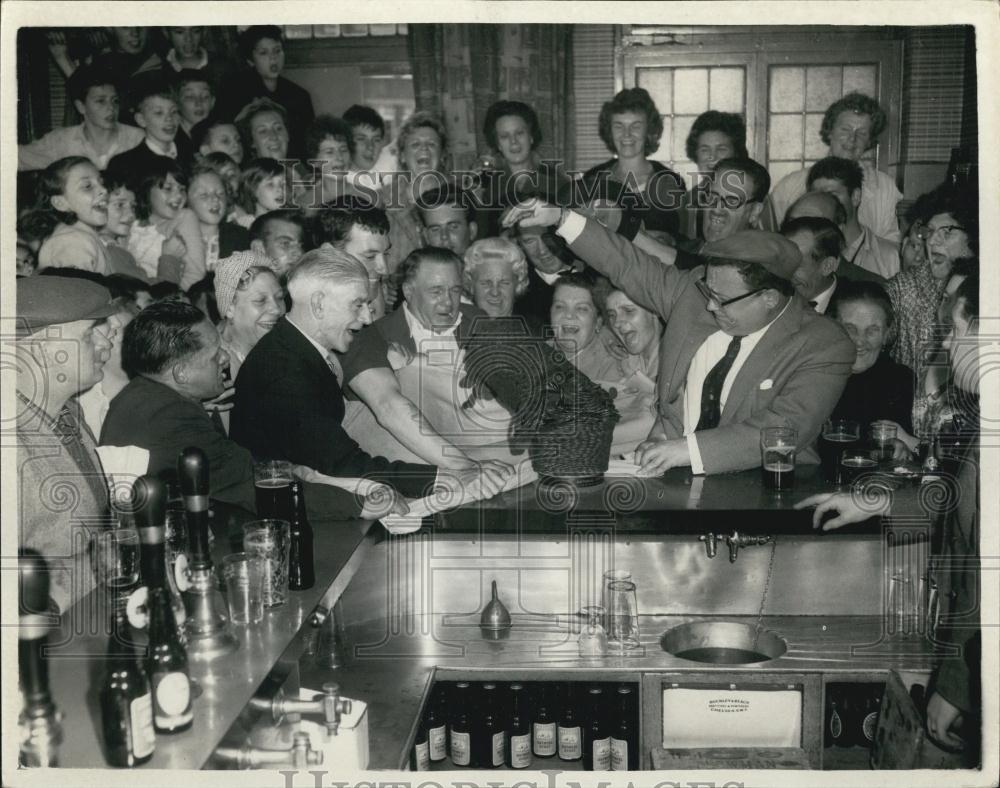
(423,145)
(714,136)
(579,328)
(495,275)
(630,126)
(263,127)
(878,388)
(250,300)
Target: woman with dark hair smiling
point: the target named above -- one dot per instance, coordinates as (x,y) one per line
(513,132)
(631,126)
(714,136)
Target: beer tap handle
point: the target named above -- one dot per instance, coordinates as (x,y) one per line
(149,495)
(192,469)
(39,722)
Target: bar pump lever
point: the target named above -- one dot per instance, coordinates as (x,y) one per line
(329,705)
(711,541)
(40,726)
(208,637)
(298,756)
(736,540)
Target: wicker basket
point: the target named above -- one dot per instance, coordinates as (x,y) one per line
(564,420)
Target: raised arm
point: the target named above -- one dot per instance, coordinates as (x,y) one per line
(643,277)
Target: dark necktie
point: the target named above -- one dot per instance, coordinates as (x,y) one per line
(711,389)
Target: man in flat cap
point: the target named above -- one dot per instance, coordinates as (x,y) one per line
(62,342)
(740,351)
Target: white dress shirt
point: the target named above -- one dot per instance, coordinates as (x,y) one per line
(823,299)
(707,356)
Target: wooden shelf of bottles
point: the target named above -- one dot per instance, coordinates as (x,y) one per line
(513,725)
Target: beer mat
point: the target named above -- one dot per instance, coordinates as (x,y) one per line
(621,466)
(122,466)
(432,504)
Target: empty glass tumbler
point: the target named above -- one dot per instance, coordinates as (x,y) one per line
(623,616)
(269,540)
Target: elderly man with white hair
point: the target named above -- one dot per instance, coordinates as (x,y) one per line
(289,399)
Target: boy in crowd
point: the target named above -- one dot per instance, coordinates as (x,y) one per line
(372,157)
(262,48)
(215,134)
(156,114)
(94,92)
(195,100)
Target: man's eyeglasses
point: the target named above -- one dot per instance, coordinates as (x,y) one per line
(925,233)
(711,296)
(731,201)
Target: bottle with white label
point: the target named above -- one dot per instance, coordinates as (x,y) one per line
(569,732)
(437,728)
(167,662)
(126,701)
(543,727)
(490,741)
(461,738)
(421,754)
(624,742)
(518,730)
(596,735)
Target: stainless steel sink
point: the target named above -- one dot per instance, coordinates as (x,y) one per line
(722,643)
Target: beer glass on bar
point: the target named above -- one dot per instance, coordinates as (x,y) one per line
(777,458)
(854,464)
(883,439)
(838,436)
(116,558)
(272,481)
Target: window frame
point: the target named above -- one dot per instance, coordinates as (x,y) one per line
(758,49)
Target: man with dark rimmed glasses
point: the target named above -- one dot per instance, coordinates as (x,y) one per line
(740,351)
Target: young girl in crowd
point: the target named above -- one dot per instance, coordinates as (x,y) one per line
(115,234)
(73,199)
(262,189)
(161,196)
(208,200)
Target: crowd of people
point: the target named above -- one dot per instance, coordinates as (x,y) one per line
(239,274)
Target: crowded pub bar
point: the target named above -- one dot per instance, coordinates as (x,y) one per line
(495,396)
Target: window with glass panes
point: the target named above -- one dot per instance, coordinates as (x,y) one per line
(798,96)
(681,94)
(780,81)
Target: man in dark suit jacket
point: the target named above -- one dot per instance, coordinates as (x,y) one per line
(822,205)
(823,266)
(549,257)
(289,399)
(713,398)
(171,351)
